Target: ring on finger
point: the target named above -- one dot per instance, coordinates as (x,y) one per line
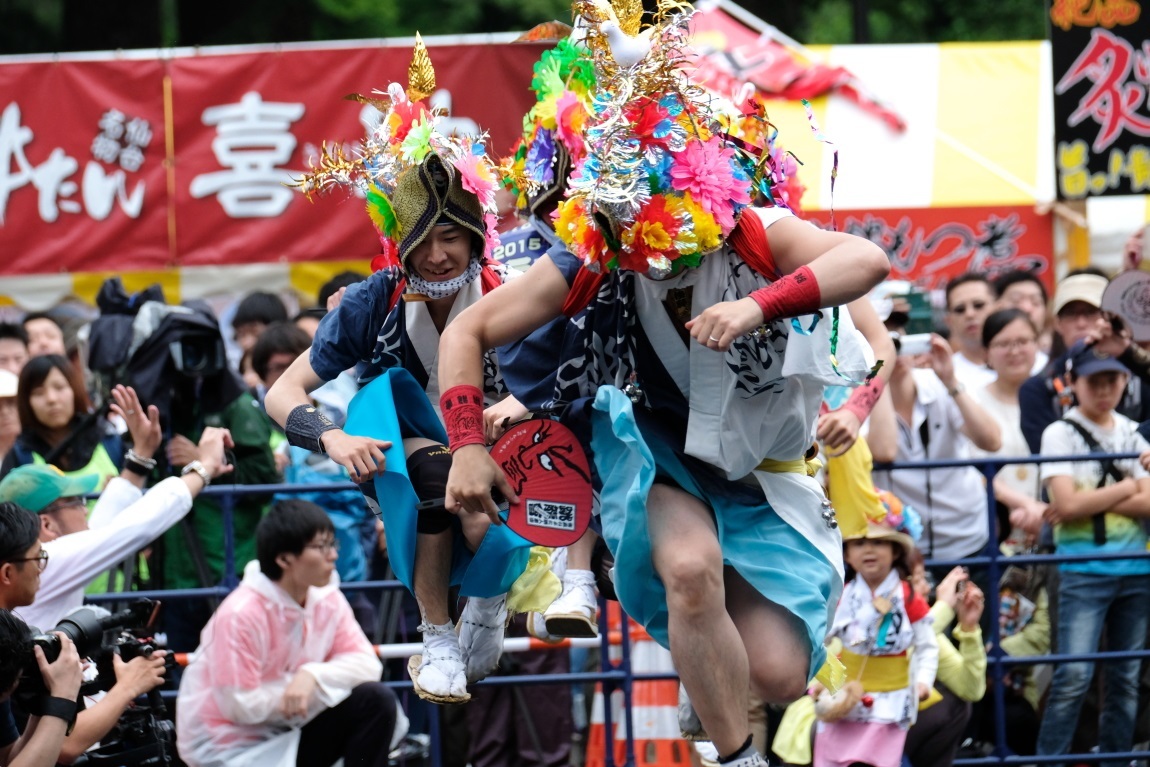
(712,338)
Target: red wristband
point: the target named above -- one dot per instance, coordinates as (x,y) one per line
(792,295)
(462,408)
(863,398)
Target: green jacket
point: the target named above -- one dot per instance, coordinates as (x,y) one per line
(255,465)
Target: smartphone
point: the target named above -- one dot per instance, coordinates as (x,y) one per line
(913,345)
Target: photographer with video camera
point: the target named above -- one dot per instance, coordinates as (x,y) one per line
(24,558)
(43,736)
(124,520)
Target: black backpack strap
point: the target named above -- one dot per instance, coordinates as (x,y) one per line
(1108,470)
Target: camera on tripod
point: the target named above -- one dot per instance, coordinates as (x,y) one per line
(142,736)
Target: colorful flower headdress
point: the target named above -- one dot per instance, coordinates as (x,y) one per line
(411,174)
(664,180)
(553,129)
(893,513)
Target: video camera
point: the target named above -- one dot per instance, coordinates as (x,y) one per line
(143,736)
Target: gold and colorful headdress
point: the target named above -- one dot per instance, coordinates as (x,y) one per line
(564,79)
(664,178)
(411,175)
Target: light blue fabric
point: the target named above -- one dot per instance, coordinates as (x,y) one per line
(502,555)
(770,555)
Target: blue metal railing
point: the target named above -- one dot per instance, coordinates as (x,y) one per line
(619,675)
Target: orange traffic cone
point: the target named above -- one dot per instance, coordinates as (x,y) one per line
(654,707)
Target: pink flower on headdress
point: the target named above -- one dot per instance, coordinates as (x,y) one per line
(491,225)
(570,117)
(703,168)
(477,177)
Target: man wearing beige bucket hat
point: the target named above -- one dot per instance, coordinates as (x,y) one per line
(1045,397)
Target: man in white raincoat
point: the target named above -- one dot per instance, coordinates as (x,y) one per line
(284,675)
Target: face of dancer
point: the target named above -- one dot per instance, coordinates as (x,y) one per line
(443,255)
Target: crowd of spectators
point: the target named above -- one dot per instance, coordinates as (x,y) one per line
(1005,372)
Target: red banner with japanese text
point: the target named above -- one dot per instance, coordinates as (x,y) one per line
(82,180)
(1100,55)
(930,246)
(146,164)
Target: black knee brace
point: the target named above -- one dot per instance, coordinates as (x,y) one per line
(427,468)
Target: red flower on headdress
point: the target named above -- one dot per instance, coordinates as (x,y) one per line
(652,235)
(404,115)
(650,121)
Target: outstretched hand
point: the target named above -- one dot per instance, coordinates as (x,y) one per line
(143,423)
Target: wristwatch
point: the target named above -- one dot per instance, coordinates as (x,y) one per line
(958,389)
(198,468)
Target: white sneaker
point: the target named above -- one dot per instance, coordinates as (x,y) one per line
(481,629)
(754,759)
(708,754)
(575,612)
(438,674)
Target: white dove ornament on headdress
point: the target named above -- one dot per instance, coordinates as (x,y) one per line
(626,49)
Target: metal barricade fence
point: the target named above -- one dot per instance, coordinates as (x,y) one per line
(619,676)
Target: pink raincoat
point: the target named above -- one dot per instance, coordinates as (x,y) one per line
(228,704)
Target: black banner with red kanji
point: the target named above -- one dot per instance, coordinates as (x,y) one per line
(1100,55)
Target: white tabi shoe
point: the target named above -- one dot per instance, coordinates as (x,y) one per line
(481,630)
(438,675)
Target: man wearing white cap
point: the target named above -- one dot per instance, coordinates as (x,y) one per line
(1078,316)
(9,415)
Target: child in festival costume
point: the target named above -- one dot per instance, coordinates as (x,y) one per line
(670,272)
(882,623)
(432,197)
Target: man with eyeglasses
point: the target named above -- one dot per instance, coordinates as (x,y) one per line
(284,675)
(969,300)
(23,561)
(125,518)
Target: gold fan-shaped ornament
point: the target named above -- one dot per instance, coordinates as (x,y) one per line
(420,73)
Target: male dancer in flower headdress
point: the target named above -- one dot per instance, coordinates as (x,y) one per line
(537,172)
(433,199)
(700,390)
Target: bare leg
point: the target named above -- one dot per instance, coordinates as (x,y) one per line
(579,553)
(474,528)
(777,647)
(705,644)
(432,572)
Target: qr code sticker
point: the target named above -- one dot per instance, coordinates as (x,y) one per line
(551,514)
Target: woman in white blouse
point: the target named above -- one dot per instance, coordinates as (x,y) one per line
(1011,342)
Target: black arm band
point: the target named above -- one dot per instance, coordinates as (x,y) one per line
(305,425)
(137,468)
(61,708)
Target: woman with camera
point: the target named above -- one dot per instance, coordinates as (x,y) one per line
(57,426)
